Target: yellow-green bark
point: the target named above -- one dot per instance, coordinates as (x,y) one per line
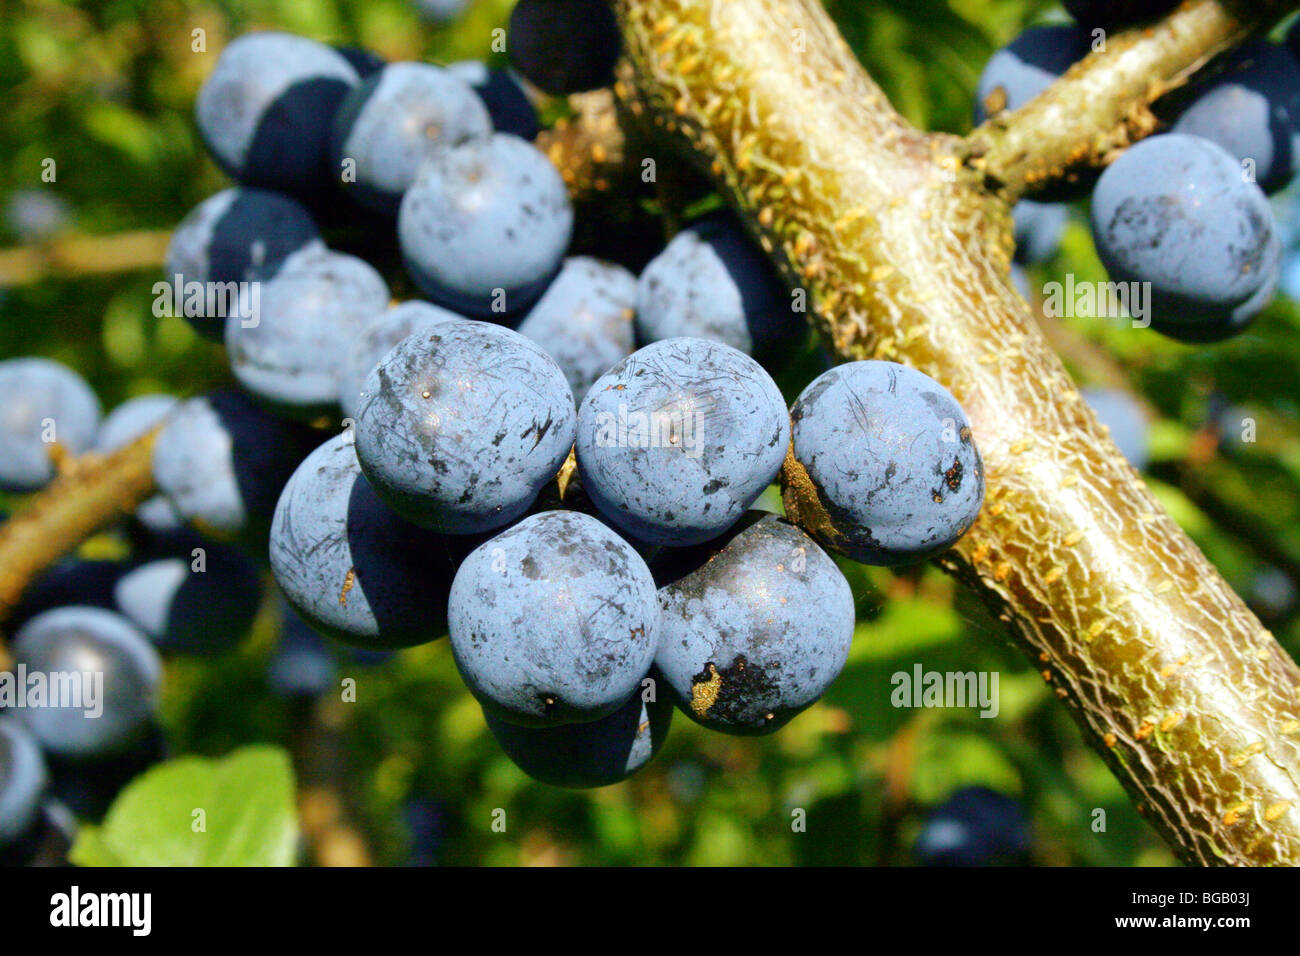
(902,240)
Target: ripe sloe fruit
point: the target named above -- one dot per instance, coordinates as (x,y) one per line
(584,320)
(45,404)
(290,354)
(553,621)
(594,754)
(676,441)
(485,225)
(460,426)
(757,629)
(351,567)
(884,469)
(265,110)
(91,642)
(1175,211)
(391,123)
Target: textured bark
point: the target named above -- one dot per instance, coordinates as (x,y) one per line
(1102,104)
(904,251)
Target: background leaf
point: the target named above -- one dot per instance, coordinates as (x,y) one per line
(247,804)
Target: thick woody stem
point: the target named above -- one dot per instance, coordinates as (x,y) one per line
(1103,103)
(904,253)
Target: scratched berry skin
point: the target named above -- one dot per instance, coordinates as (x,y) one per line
(676,441)
(348,565)
(553,621)
(460,426)
(884,462)
(380,335)
(1174,212)
(738,645)
(594,754)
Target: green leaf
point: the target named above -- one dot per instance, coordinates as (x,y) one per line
(91,850)
(197,811)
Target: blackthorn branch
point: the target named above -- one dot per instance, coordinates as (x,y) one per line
(903,242)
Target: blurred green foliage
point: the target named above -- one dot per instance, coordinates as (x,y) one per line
(198,811)
(106,89)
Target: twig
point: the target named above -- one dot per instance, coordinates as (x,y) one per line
(83,256)
(89,493)
(1103,103)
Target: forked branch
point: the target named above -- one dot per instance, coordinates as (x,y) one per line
(1103,103)
(905,252)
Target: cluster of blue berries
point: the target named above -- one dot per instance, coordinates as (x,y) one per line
(548,458)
